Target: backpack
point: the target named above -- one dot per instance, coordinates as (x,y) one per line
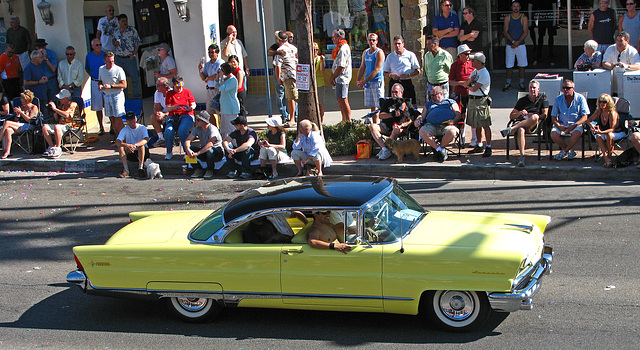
(626,158)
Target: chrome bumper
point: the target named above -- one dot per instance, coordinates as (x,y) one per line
(79,278)
(522,299)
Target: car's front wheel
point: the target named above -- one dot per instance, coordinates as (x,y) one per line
(194,309)
(457,311)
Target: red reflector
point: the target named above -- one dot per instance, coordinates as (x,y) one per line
(78,264)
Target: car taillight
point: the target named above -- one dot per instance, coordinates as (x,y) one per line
(78,264)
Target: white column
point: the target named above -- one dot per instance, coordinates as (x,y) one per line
(67,28)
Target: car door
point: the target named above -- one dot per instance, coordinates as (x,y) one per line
(327,277)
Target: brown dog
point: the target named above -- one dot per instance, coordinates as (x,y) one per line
(402,147)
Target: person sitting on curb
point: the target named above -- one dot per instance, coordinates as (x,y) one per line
(273,148)
(246,140)
(163,86)
(210,150)
(393,124)
(439,118)
(63,119)
(132,145)
(569,112)
(322,234)
(526,114)
(310,146)
(635,140)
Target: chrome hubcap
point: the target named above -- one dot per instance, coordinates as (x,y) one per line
(192,304)
(456,305)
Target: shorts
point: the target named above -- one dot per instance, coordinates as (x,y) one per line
(478,112)
(385,130)
(114,105)
(519,53)
(270,153)
(133,157)
(290,90)
(320,94)
(297,154)
(616,136)
(438,130)
(97,97)
(24,127)
(373,94)
(578,128)
(50,128)
(342,90)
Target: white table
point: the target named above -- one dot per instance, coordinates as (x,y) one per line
(631,91)
(595,82)
(550,87)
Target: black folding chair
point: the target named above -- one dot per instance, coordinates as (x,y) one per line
(27,138)
(536,132)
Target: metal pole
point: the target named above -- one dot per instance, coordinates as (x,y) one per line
(569,32)
(264,55)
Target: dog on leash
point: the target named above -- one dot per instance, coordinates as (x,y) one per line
(153,169)
(404,147)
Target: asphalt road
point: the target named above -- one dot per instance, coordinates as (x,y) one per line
(591,301)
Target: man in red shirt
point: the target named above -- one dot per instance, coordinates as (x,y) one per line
(459,73)
(180,105)
(10,68)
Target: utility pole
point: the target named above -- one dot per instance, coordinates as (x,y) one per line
(307,100)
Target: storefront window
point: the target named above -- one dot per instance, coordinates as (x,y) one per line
(356,17)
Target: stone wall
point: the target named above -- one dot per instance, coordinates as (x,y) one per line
(414,19)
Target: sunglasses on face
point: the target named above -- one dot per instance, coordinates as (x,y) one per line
(447,5)
(602,101)
(395,92)
(324,212)
(567,87)
(465,13)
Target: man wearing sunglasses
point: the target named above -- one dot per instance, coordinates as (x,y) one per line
(569,112)
(447,27)
(323,235)
(620,57)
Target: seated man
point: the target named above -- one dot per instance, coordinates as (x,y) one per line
(394,123)
(309,146)
(620,57)
(246,150)
(210,150)
(323,235)
(63,119)
(569,112)
(132,145)
(526,114)
(439,118)
(163,86)
(180,104)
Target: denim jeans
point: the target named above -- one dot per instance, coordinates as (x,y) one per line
(214,154)
(282,101)
(184,124)
(245,157)
(132,71)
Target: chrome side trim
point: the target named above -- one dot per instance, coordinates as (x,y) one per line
(522,299)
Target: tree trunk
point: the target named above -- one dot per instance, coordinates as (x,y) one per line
(307,100)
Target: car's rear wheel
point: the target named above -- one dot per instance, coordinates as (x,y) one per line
(194,309)
(457,311)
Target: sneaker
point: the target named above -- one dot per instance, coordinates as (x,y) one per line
(443,155)
(273,176)
(168,156)
(198,173)
(521,162)
(571,155)
(232,175)
(476,149)
(56,152)
(208,174)
(505,132)
(47,153)
(506,87)
(124,173)
(245,175)
(386,154)
(142,174)
(560,156)
(159,143)
(522,87)
(487,152)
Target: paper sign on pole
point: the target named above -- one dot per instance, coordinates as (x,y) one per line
(303,76)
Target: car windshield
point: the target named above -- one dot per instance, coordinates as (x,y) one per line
(208,226)
(392,216)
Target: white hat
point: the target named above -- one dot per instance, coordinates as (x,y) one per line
(64,93)
(478,56)
(463,48)
(274,121)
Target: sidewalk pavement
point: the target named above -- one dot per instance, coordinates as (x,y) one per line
(102,157)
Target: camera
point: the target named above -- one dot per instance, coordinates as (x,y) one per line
(391,104)
(584,67)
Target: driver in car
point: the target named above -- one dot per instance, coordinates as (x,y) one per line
(323,234)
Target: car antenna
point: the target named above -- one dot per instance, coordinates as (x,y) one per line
(401,234)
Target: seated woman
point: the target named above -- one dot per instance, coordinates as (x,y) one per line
(273,149)
(590,55)
(607,127)
(62,121)
(310,146)
(24,114)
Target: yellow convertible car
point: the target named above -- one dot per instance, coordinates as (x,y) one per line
(455,267)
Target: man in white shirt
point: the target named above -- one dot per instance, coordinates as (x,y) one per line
(132,145)
(400,66)
(160,113)
(107,25)
(620,57)
(341,72)
(209,72)
(112,81)
(71,73)
(231,45)
(478,110)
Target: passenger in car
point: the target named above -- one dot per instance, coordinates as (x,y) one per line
(279,220)
(323,234)
(261,230)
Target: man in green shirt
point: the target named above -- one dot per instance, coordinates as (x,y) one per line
(437,63)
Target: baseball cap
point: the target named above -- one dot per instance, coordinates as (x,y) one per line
(478,56)
(64,93)
(239,120)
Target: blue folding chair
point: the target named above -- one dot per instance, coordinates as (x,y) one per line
(136,107)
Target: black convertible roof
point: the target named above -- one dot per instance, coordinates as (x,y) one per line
(312,192)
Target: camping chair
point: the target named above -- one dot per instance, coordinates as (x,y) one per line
(583,137)
(136,107)
(451,148)
(623,108)
(75,134)
(27,138)
(537,131)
